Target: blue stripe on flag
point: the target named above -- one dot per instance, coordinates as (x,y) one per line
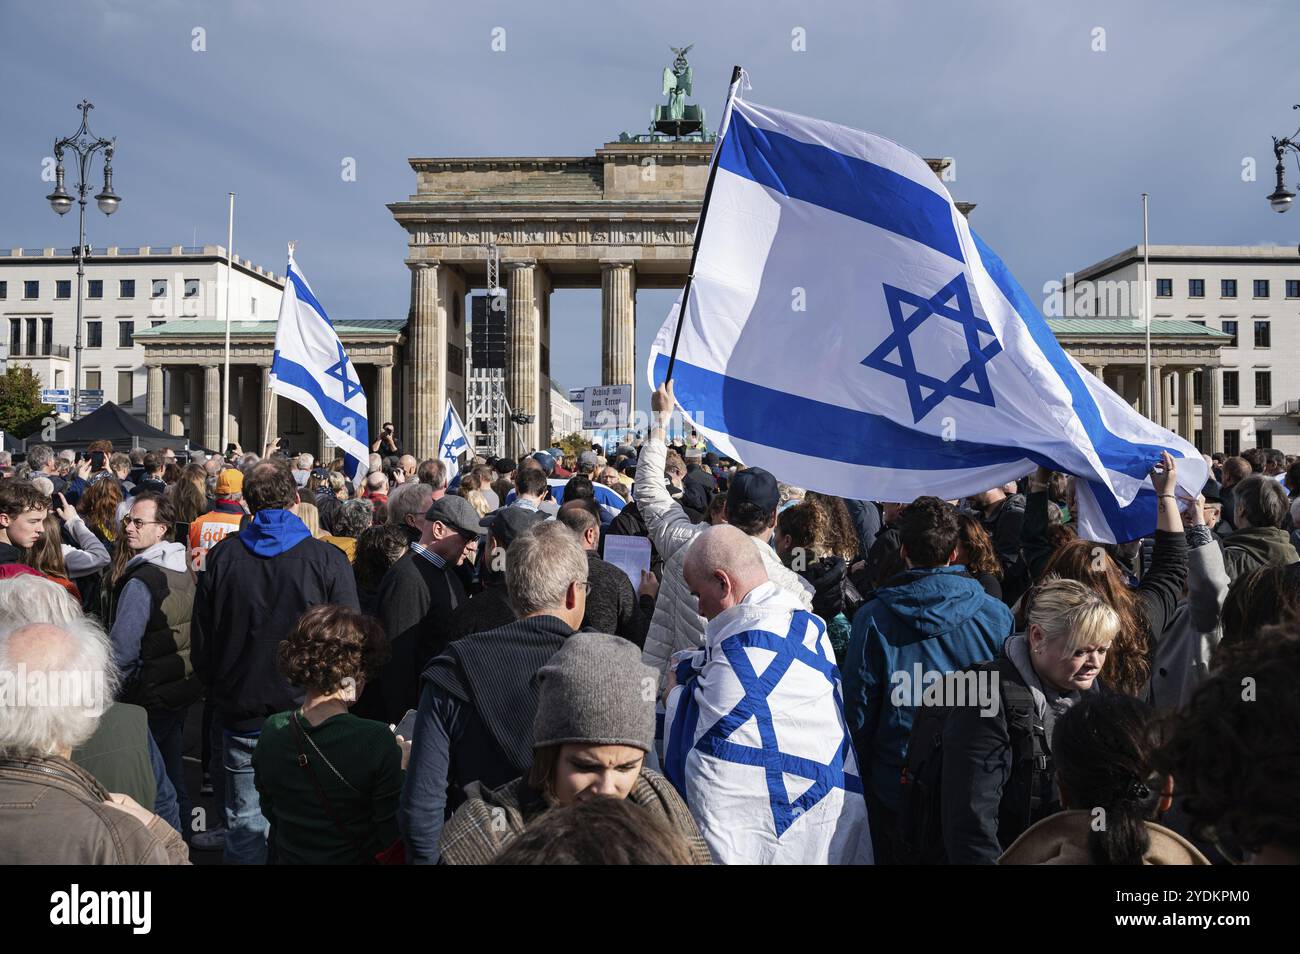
(290,372)
(817,429)
(304,294)
(840,183)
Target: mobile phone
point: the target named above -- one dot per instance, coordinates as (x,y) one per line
(97,460)
(230,449)
(406,727)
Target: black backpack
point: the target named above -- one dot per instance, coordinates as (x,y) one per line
(1028,794)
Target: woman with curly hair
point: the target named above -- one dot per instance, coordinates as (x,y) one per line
(329,781)
(975,552)
(98,508)
(806,541)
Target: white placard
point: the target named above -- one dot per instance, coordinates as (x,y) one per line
(607,406)
(629,554)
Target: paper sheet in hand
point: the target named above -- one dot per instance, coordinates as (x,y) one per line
(629,554)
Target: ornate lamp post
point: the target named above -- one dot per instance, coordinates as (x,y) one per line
(84,145)
(1281,198)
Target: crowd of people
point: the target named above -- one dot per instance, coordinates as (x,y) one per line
(412,669)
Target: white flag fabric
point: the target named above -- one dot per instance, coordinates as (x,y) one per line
(311,368)
(453,441)
(756,743)
(847,331)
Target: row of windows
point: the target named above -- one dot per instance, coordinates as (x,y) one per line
(1231,388)
(1232,440)
(24,340)
(125,384)
(1227,288)
(1263,331)
(95,288)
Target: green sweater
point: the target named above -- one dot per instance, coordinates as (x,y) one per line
(364,752)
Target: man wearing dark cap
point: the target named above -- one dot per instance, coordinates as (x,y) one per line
(416,599)
(490,607)
(751,506)
(698,486)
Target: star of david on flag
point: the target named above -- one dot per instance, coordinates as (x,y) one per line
(311,368)
(925,391)
(453,441)
(963,386)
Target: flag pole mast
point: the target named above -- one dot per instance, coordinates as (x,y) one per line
(1146,308)
(225,382)
(699,225)
(270,394)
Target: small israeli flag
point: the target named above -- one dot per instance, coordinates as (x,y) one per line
(311,368)
(453,441)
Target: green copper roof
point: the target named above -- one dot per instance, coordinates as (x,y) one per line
(190,327)
(1125,327)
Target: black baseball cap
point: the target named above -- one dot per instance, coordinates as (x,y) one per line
(756,486)
(507,523)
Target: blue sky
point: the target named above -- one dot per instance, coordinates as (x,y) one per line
(1054,141)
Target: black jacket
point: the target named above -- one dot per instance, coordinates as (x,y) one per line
(612,605)
(244,607)
(10,554)
(416,600)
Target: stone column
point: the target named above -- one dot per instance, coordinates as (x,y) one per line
(383,398)
(427,381)
(1211,431)
(268,419)
(521,354)
(618,324)
(176,400)
(248,412)
(1186,404)
(1100,371)
(1162,379)
(153,396)
(212,407)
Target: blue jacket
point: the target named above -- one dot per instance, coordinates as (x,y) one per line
(940,618)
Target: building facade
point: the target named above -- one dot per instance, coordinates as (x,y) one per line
(1247,298)
(126,291)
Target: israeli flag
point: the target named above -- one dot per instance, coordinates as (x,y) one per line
(453,441)
(311,368)
(847,331)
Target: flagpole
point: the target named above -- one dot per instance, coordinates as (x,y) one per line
(699,225)
(1146,307)
(270,394)
(225,382)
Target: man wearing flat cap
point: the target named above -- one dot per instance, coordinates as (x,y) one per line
(490,607)
(416,599)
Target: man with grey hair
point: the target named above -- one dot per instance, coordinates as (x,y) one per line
(6,463)
(766,662)
(479,698)
(1260,508)
(42,462)
(407,505)
(302,465)
(51,810)
(434,473)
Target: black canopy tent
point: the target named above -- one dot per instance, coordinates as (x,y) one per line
(111,423)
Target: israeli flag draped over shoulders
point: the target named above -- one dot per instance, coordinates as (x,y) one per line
(847,331)
(453,442)
(311,368)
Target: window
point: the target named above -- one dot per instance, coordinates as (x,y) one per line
(94,334)
(1230,328)
(1263,390)
(126,288)
(157,321)
(92,381)
(15,336)
(1231,396)
(1261,288)
(31,336)
(63,289)
(1228,288)
(1292,288)
(1196,288)
(1263,336)
(191,288)
(47,335)
(125,334)
(160,288)
(1264,438)
(252,307)
(1231,443)
(95,288)
(31,290)
(58,380)
(124,392)
(4,290)
(1196,437)
(1198,321)
(1164,288)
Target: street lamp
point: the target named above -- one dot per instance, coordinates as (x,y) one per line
(84,145)
(1281,198)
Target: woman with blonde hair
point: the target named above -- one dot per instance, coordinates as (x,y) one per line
(309,515)
(997,776)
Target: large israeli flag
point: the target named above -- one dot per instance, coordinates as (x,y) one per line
(311,368)
(848,331)
(453,441)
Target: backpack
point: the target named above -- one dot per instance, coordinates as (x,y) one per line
(1028,793)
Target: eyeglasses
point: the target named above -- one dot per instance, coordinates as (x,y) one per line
(138,523)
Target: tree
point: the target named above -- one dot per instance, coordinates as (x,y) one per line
(21,410)
(574,444)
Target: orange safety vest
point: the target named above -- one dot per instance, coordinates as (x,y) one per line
(209,530)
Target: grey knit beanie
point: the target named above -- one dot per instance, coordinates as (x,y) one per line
(596,691)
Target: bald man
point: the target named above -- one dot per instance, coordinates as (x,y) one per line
(763,692)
